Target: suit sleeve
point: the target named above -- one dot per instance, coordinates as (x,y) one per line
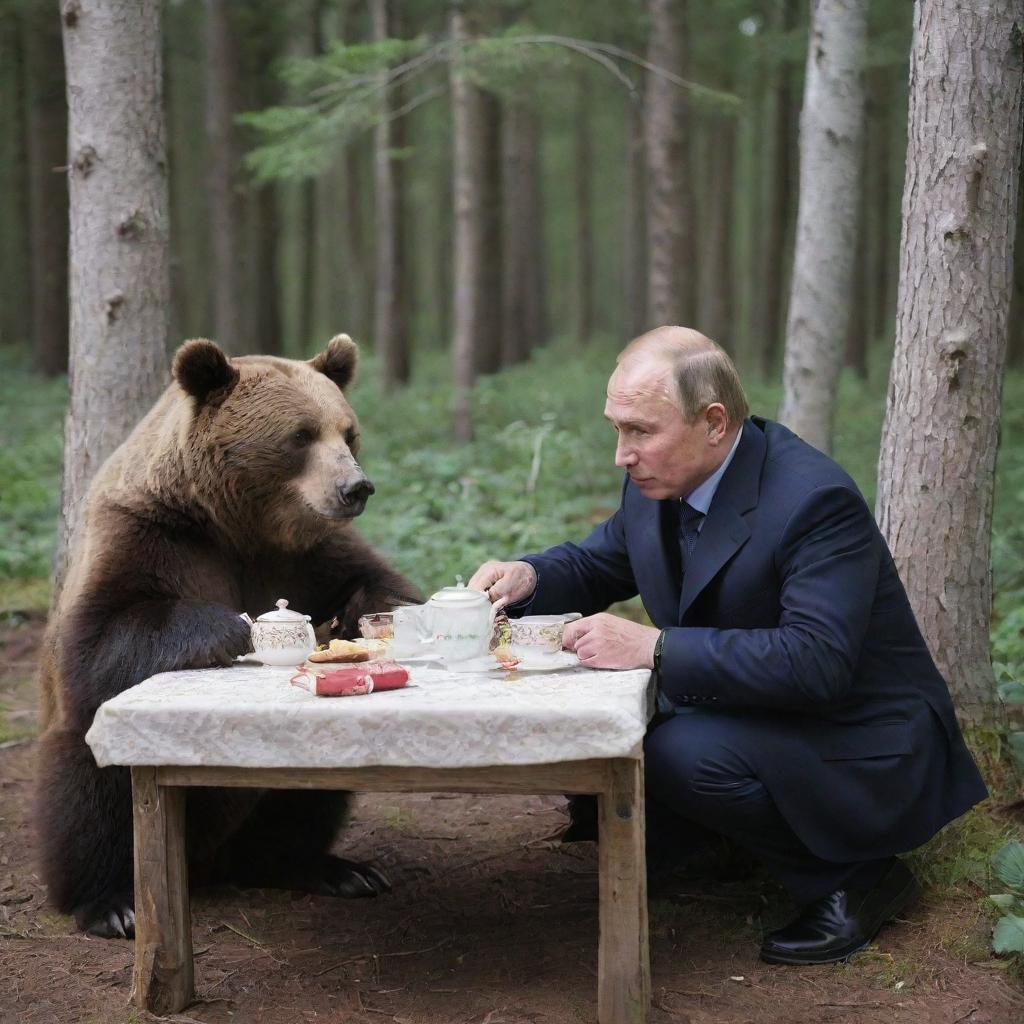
(585,577)
(828,561)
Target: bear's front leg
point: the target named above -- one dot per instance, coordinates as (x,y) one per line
(346,579)
(105,655)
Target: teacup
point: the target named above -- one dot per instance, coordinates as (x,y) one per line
(537,637)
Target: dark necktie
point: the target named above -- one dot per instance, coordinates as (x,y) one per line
(689,530)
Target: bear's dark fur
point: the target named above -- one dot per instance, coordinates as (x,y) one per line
(236,489)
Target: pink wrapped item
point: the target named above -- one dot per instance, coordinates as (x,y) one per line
(351,680)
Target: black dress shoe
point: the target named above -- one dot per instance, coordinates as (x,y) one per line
(842,923)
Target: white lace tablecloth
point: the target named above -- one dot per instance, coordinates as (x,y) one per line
(251,716)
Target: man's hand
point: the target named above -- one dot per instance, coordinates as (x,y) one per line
(505,582)
(608,641)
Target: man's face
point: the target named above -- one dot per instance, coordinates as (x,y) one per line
(665,456)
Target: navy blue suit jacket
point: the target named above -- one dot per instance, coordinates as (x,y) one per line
(791,610)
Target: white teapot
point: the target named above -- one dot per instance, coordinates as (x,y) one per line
(455,624)
(284,637)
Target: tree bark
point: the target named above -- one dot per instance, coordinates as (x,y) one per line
(308,205)
(15,280)
(469,234)
(634,230)
(671,270)
(48,188)
(778,208)
(491,278)
(523,291)
(831,130)
(935,474)
(716,305)
(267,330)
(883,212)
(855,356)
(119,282)
(583,159)
(184,105)
(222,105)
(1015,341)
(391,320)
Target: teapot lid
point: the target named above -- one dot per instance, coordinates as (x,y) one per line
(459,596)
(283,614)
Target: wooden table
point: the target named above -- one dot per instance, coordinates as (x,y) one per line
(226,727)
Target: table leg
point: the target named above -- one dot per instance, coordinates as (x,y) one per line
(162,982)
(623,958)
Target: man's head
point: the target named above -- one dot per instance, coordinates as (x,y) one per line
(676,403)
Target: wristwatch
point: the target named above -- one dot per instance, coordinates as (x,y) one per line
(659,646)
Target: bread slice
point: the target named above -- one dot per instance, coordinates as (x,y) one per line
(350,652)
(340,652)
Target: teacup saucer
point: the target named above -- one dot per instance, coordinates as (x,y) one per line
(546,663)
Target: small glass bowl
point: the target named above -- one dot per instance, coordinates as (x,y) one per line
(377,626)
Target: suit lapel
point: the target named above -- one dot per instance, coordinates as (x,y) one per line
(725,530)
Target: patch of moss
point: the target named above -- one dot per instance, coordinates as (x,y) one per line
(17,730)
(24,597)
(962,852)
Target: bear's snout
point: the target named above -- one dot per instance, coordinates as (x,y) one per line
(354,493)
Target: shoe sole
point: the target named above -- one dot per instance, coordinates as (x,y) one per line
(909,892)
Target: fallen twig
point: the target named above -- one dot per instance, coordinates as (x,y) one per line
(245,935)
(377,956)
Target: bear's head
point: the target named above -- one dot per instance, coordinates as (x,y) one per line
(270,444)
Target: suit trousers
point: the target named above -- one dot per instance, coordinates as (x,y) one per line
(703,765)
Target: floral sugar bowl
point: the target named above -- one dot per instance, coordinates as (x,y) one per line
(283,637)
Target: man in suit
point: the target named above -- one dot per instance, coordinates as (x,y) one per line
(800,712)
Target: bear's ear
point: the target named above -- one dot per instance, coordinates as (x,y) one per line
(338,360)
(202,369)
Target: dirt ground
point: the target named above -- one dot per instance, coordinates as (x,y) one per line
(490,922)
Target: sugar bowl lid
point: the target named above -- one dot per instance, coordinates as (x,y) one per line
(283,614)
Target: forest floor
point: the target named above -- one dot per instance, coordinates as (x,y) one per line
(490,922)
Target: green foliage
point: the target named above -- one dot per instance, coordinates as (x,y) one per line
(343,91)
(343,94)
(31,443)
(1008,864)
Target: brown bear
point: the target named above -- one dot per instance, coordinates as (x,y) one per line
(237,488)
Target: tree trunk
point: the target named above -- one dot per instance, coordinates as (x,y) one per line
(391,321)
(469,234)
(784,18)
(222,105)
(1015,341)
(523,292)
(48,188)
(935,474)
(184,106)
(670,276)
(831,130)
(15,281)
(489,299)
(716,303)
(119,280)
(881,189)
(634,230)
(855,355)
(267,329)
(583,160)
